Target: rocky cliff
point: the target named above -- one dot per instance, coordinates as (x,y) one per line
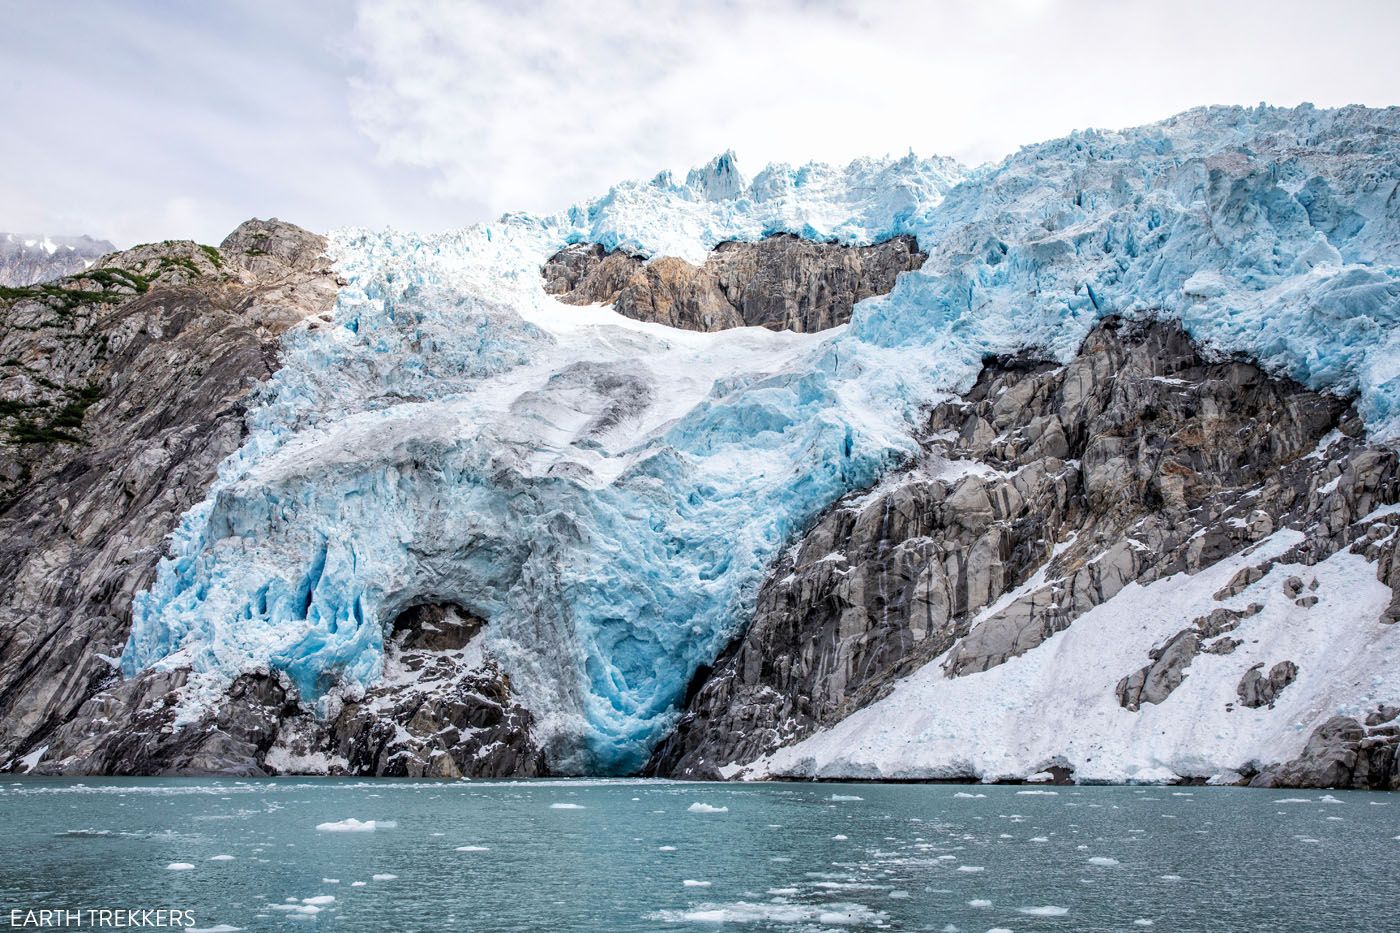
(782,282)
(1043,493)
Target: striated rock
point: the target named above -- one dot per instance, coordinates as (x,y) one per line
(1041,493)
(121,390)
(782,282)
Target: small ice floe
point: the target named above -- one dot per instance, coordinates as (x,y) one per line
(1294,800)
(217,928)
(353,825)
(964,795)
(1328,798)
(1103,861)
(221,858)
(319,900)
(782,892)
(979,902)
(179,866)
(473,849)
(971,868)
(839,838)
(705,808)
(357,884)
(844,797)
(1049,910)
(330,881)
(383,876)
(665,848)
(566,806)
(692,883)
(899,895)
(1037,793)
(309,910)
(1170,878)
(748,912)
(1142,922)
(998,930)
(1039,839)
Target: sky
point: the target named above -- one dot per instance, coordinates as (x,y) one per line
(143,120)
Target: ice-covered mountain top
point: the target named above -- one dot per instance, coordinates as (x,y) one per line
(609,494)
(28,258)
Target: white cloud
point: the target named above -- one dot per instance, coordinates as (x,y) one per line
(535,105)
(132,122)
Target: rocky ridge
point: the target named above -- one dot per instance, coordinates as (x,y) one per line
(782,282)
(1043,492)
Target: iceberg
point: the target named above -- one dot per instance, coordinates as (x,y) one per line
(609,494)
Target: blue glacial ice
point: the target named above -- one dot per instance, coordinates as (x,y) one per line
(609,493)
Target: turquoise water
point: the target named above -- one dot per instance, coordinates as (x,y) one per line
(616,855)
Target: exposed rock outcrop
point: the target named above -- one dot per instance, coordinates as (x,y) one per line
(782,282)
(123,388)
(1257,689)
(1043,493)
(1344,752)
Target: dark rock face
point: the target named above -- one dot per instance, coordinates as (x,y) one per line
(1138,460)
(122,388)
(783,282)
(1343,752)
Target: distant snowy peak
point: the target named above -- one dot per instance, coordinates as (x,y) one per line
(28,258)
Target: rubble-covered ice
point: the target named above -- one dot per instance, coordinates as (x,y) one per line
(609,494)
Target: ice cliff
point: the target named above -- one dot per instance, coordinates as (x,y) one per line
(609,494)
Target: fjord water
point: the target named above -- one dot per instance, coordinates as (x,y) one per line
(650,855)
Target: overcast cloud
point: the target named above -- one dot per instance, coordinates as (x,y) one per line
(139,121)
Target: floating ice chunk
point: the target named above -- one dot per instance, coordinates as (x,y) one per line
(357,884)
(330,881)
(1142,922)
(964,795)
(1037,793)
(1294,800)
(839,837)
(1039,839)
(179,866)
(1104,861)
(221,858)
(352,825)
(383,876)
(750,913)
(1046,911)
(566,806)
(473,849)
(1170,877)
(979,902)
(844,797)
(692,883)
(705,808)
(217,928)
(971,868)
(1328,798)
(998,930)
(320,899)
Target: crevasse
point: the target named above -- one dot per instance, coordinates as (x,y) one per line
(609,493)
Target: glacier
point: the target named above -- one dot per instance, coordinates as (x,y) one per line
(609,493)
